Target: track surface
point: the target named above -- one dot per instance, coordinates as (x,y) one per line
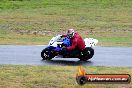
(30,55)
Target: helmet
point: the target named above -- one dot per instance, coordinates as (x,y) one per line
(70,33)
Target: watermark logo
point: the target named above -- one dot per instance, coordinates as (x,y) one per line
(82,78)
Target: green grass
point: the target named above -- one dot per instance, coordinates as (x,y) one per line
(14,76)
(13,38)
(105,18)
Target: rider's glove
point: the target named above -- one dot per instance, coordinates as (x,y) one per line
(61,36)
(64,49)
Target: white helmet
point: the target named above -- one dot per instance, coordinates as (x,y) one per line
(70,33)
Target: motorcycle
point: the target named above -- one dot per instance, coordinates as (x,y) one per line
(56,44)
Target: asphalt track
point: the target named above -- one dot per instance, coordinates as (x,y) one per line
(30,55)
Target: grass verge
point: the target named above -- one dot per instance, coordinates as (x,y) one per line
(25,76)
(36,21)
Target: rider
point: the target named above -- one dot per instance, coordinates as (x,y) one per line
(77,42)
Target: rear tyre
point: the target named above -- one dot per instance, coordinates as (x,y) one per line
(87,54)
(45,54)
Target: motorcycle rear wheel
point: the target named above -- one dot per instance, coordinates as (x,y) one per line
(87,54)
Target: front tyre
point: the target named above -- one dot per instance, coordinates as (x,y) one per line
(45,54)
(87,54)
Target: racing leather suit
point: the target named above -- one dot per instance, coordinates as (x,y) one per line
(77,43)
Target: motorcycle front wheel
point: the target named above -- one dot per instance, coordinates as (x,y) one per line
(46,54)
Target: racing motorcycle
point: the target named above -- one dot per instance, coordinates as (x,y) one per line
(56,44)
